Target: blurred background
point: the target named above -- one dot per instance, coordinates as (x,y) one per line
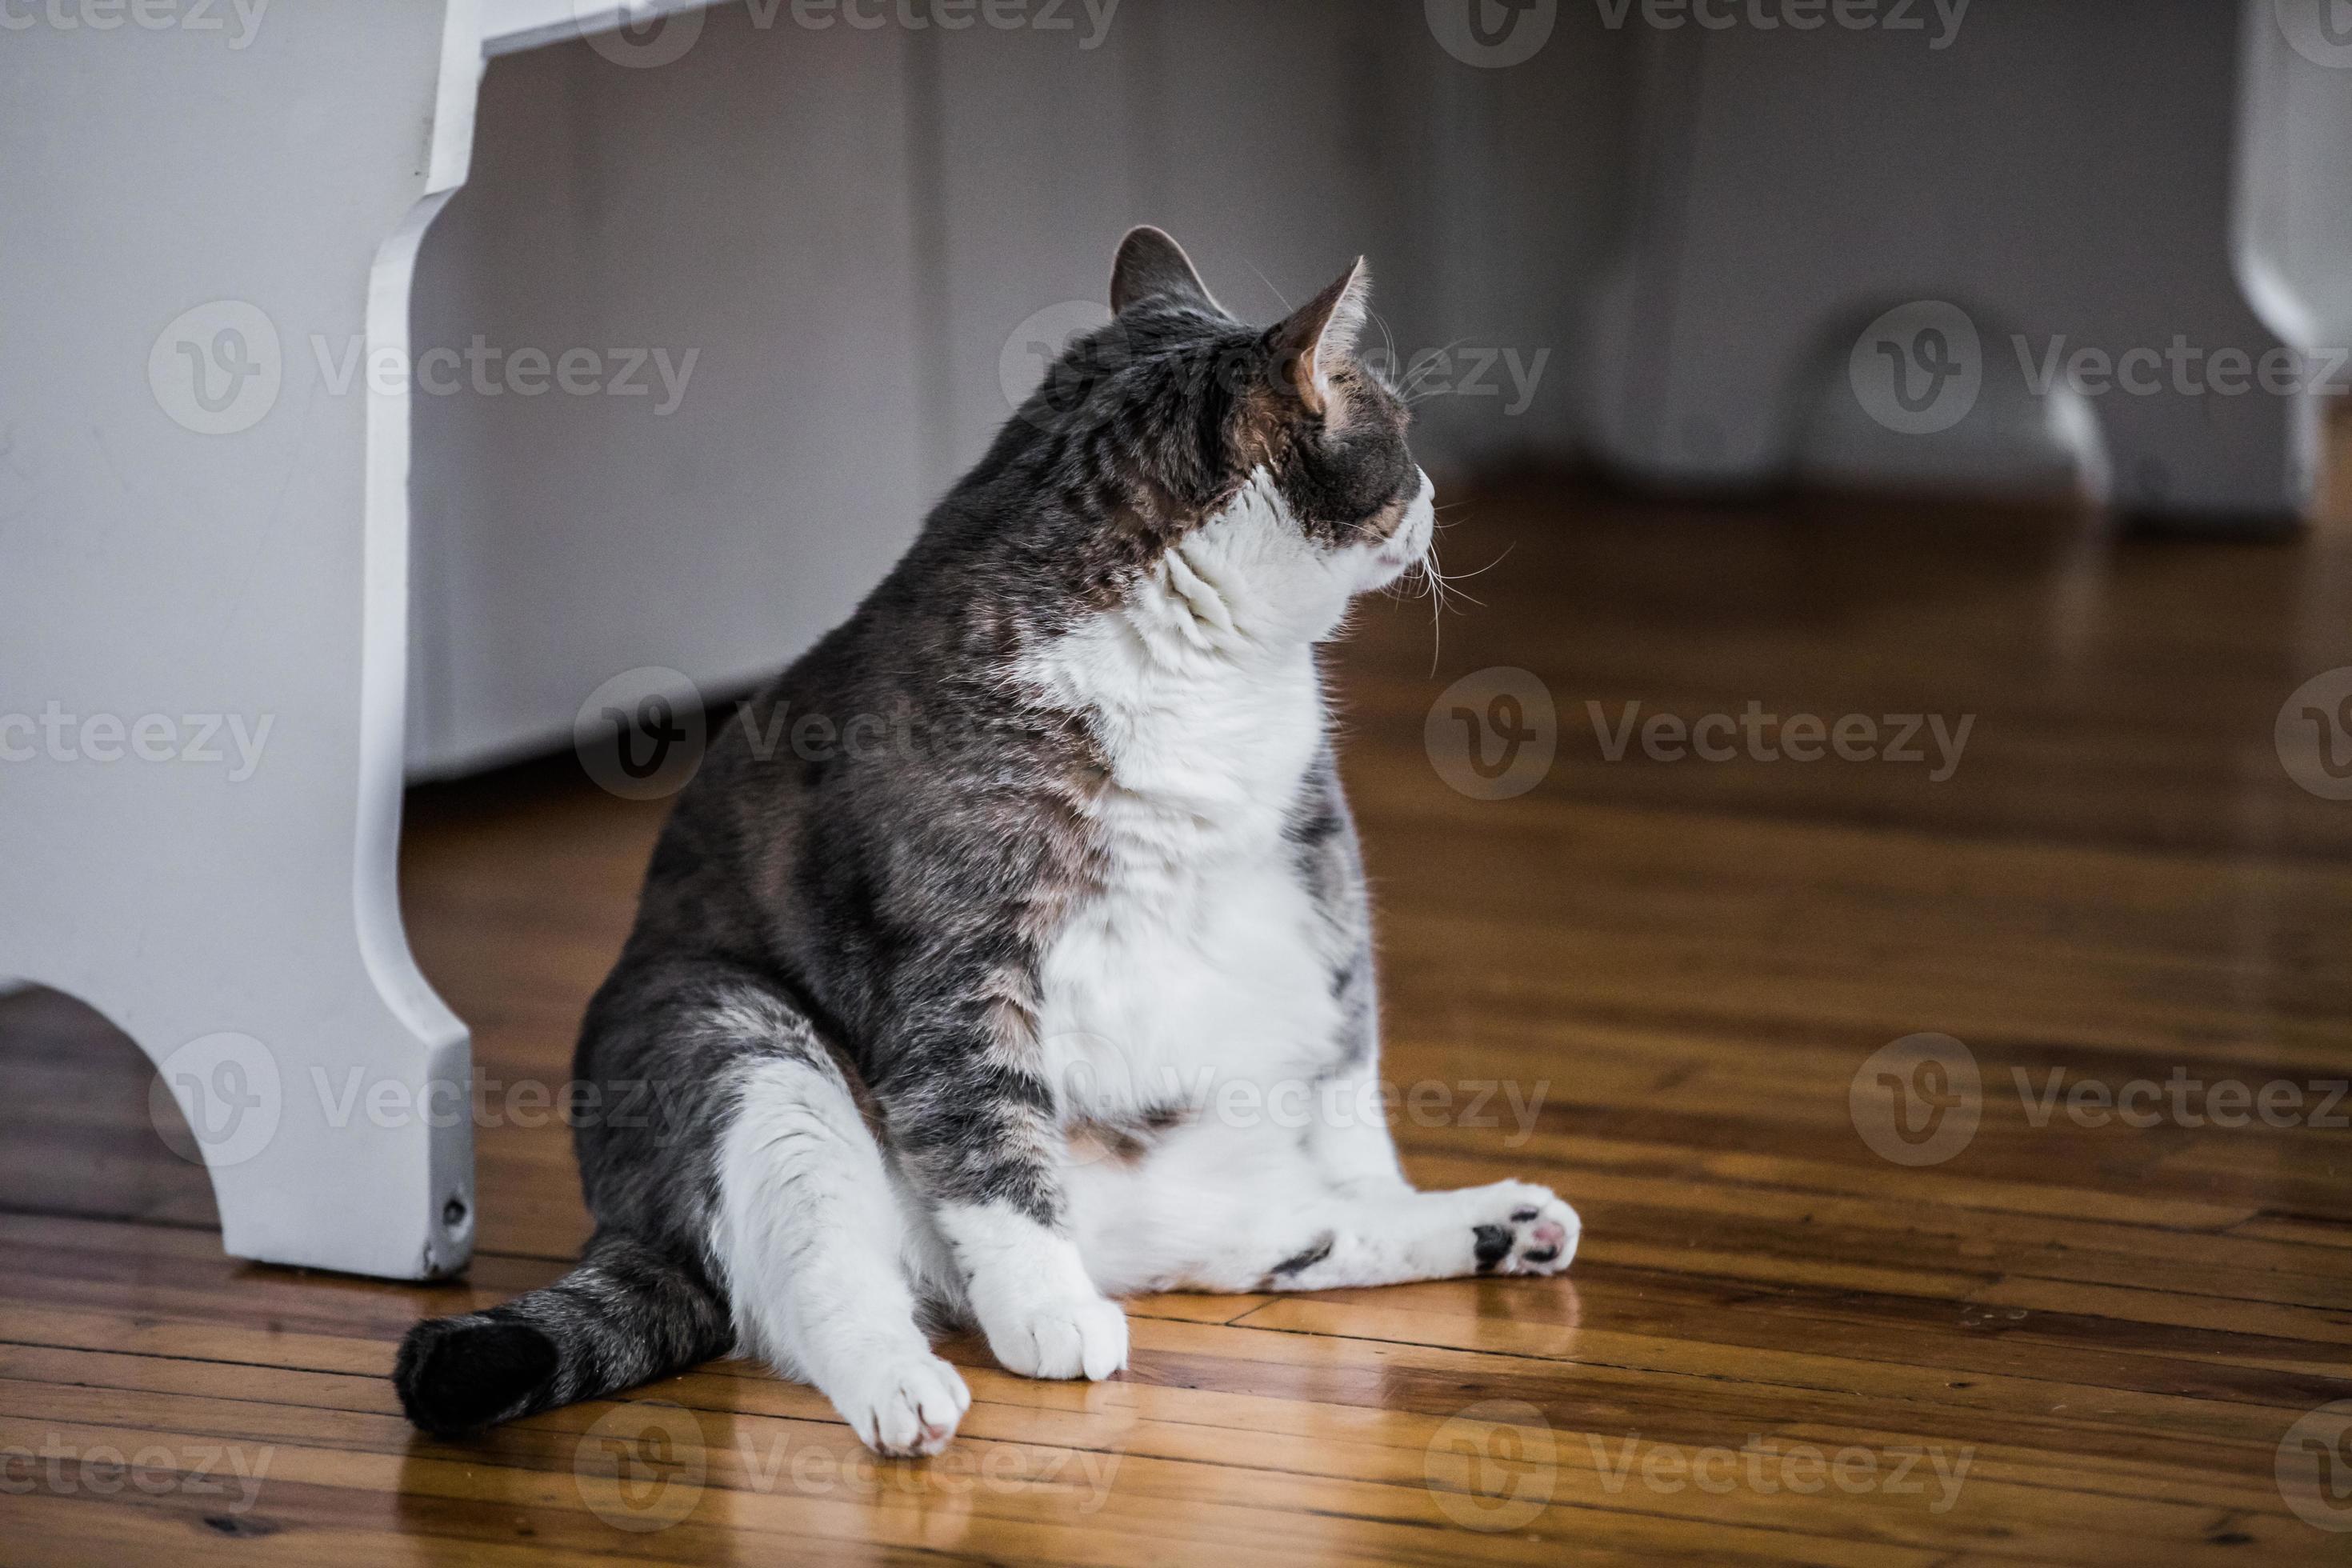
(1680,246)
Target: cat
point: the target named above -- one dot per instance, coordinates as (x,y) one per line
(1011,953)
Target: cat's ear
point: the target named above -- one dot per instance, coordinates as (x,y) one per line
(1152,266)
(1320,333)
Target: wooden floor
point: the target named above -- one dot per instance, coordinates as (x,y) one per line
(2057,1341)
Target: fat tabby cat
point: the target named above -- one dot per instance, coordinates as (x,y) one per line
(1047,978)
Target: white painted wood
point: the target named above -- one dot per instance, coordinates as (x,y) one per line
(181,565)
(511,27)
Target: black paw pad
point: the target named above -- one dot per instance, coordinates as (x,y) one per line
(1521,1216)
(1493,1245)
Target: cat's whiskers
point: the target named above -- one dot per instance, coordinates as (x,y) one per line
(1426,578)
(1388,339)
(1279,296)
(1422,367)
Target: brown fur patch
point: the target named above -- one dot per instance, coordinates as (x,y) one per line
(1127,1142)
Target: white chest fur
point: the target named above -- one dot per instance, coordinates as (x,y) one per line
(1194,966)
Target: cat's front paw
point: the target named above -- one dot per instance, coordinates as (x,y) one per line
(1059,1335)
(1531,1231)
(904,1404)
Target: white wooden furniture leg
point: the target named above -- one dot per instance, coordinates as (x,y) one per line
(213,215)
(202,589)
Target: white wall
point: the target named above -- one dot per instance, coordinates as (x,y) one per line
(750,202)
(851,226)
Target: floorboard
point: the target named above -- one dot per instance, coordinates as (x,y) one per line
(1650,982)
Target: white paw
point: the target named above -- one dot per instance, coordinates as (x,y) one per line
(1059,1336)
(904,1404)
(1522,1228)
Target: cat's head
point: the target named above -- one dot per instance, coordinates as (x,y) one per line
(1272,460)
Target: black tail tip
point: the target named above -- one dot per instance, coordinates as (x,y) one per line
(458,1375)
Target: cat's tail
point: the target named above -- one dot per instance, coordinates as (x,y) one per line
(628,1314)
